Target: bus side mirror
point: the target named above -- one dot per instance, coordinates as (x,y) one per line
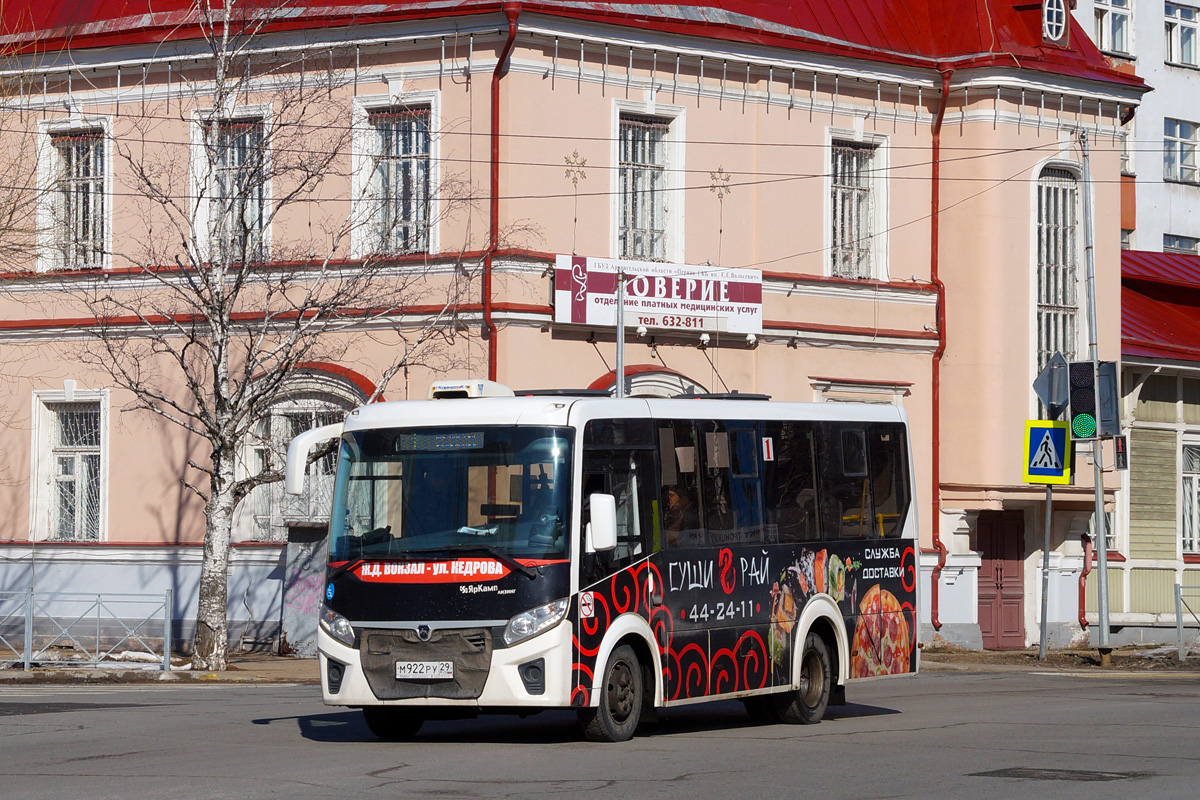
(297,455)
(602,530)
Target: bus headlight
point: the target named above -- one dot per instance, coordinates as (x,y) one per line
(337,626)
(535,620)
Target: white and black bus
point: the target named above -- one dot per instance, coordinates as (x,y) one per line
(504,553)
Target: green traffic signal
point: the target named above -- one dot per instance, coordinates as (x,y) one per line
(1083,426)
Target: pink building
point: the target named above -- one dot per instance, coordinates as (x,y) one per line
(903,180)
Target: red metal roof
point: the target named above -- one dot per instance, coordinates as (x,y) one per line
(1160,305)
(938,34)
(1165,268)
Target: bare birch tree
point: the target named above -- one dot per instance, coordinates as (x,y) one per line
(221,315)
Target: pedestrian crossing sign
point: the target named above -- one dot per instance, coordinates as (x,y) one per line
(1047,452)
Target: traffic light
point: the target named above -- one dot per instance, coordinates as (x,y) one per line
(1082,410)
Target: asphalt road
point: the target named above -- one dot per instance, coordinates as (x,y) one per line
(951,735)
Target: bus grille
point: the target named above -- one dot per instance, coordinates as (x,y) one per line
(470,650)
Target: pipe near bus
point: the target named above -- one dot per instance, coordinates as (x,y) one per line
(935,199)
(512,11)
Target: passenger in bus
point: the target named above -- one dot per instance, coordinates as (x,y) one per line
(680,518)
(719,517)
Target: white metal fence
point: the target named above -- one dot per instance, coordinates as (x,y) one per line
(63,629)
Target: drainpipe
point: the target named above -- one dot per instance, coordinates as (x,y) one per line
(511,11)
(935,200)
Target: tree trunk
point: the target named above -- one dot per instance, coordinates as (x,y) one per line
(210,648)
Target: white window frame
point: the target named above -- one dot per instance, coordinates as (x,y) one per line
(48,255)
(1056,21)
(1076,244)
(1178,27)
(304,393)
(362,234)
(1188,545)
(878,188)
(1182,149)
(1175,243)
(43,492)
(1128,152)
(203,173)
(834,390)
(674,117)
(1108,15)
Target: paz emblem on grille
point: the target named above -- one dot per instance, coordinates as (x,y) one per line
(423,632)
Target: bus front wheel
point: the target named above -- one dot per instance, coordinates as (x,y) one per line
(392,724)
(616,715)
(806,705)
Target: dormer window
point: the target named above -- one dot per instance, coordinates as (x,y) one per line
(1054,21)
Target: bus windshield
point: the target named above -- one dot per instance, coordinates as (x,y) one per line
(422,492)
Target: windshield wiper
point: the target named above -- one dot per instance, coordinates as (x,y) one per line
(488,550)
(344,568)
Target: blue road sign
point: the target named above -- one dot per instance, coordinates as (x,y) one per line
(1047,452)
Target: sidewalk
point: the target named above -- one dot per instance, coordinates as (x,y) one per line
(1156,659)
(264,668)
(243,668)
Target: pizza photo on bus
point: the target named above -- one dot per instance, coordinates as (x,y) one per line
(882,636)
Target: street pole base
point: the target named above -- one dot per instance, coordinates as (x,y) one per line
(1105,656)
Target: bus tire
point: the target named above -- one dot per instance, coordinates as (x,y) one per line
(392,724)
(616,715)
(806,705)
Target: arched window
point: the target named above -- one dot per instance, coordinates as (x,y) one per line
(1057,264)
(313,398)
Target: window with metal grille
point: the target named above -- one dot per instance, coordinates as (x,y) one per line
(75,455)
(643,187)
(79,204)
(1113,25)
(238,193)
(1058,253)
(400,180)
(273,510)
(1179,151)
(852,210)
(1180,34)
(1190,529)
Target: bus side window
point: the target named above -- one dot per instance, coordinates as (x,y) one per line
(718,512)
(746,483)
(889,473)
(680,496)
(845,488)
(788,481)
(624,475)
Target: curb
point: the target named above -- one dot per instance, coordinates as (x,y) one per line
(103,675)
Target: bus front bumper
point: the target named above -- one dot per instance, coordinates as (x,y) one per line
(503,688)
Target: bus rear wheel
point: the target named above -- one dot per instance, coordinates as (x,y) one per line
(806,705)
(616,715)
(392,724)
